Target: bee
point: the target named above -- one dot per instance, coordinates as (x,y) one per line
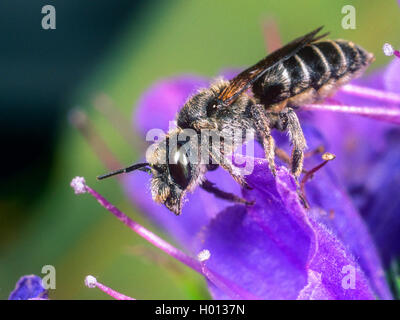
(261,98)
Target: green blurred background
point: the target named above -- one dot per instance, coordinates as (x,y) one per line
(118,49)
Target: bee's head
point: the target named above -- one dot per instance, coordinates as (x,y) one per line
(172,173)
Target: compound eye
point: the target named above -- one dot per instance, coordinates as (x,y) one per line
(181,171)
(212,107)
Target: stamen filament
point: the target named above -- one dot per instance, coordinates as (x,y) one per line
(92,282)
(326,157)
(379,113)
(144,233)
(104,104)
(371,93)
(223,284)
(231,289)
(80,121)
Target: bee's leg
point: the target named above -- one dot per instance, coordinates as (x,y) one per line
(261,123)
(281,154)
(297,139)
(218,157)
(210,187)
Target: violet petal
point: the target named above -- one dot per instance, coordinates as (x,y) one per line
(274,250)
(365,160)
(381,203)
(333,208)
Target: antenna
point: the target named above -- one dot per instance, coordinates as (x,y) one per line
(125,170)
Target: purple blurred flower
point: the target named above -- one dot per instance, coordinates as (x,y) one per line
(29,288)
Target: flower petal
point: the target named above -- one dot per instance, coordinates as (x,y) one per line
(29,287)
(331,207)
(366,156)
(274,250)
(381,204)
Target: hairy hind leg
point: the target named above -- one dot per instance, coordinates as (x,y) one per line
(281,154)
(263,130)
(297,139)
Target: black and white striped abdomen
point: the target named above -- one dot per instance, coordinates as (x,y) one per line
(313,73)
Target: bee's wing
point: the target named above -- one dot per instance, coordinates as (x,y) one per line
(246,78)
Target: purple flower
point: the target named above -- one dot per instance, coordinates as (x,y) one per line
(29,288)
(367,157)
(277,249)
(277,232)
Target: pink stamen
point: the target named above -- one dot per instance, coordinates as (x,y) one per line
(223,284)
(144,233)
(92,282)
(234,291)
(227,286)
(379,113)
(370,93)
